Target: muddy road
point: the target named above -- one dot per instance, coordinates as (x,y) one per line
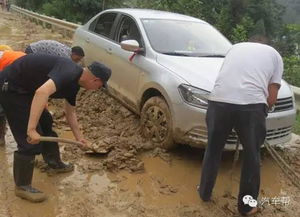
(132,179)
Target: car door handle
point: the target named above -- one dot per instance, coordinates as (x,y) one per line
(109,50)
(87,40)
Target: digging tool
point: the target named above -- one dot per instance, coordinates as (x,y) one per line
(90,150)
(63,140)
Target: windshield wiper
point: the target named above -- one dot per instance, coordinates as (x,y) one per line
(174,53)
(192,54)
(211,55)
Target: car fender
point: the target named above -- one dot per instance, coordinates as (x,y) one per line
(158,87)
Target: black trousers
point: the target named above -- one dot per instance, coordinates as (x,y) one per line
(17,109)
(249,122)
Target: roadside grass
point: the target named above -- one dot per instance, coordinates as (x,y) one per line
(296,127)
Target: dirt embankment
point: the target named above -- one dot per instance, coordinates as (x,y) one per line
(131,179)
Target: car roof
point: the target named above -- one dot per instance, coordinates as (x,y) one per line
(154,14)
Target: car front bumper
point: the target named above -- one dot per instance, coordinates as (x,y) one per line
(190,127)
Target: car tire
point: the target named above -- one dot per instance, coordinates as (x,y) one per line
(156,123)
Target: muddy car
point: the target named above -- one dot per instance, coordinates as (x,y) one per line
(164,66)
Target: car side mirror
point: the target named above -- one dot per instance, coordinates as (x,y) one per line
(131,45)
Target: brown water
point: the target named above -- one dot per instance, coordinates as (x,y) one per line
(183,176)
(162,185)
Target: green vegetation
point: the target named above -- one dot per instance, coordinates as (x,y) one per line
(292,14)
(296,127)
(292,70)
(236,19)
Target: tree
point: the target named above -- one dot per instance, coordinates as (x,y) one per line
(236,19)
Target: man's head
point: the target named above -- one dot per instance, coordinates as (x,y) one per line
(77,54)
(95,76)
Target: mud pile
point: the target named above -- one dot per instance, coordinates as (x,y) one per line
(113,130)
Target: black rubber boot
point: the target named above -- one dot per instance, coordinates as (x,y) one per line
(51,155)
(23,172)
(2,130)
(50,150)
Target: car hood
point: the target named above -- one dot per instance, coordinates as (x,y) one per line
(202,72)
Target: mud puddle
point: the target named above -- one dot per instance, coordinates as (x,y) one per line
(167,184)
(182,168)
(164,187)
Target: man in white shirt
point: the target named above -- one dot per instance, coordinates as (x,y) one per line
(246,87)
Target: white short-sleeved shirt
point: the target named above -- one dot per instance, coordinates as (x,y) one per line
(246,73)
(51,47)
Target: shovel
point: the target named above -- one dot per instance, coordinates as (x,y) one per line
(90,150)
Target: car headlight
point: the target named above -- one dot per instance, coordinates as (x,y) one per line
(194,96)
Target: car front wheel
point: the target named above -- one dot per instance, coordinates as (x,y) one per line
(156,122)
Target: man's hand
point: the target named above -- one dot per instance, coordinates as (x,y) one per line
(273,92)
(86,145)
(33,137)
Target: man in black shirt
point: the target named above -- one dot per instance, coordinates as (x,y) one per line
(25,87)
(50,150)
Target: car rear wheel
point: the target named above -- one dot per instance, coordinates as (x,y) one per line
(156,122)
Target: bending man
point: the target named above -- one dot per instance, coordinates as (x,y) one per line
(55,48)
(26,86)
(247,85)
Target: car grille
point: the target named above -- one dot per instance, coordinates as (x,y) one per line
(200,134)
(278,133)
(271,134)
(283,104)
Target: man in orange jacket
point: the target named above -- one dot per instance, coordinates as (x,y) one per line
(7,56)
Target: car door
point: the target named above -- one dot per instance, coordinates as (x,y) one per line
(97,39)
(125,71)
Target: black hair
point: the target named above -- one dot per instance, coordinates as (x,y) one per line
(78,51)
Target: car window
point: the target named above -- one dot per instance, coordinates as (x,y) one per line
(103,24)
(186,38)
(128,31)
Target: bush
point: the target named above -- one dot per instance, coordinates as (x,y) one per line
(292,70)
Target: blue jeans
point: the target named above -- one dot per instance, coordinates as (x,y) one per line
(249,122)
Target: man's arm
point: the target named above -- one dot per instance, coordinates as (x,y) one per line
(273,92)
(38,104)
(72,120)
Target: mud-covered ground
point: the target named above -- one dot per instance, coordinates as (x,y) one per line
(129,178)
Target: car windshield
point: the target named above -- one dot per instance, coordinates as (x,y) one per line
(185,38)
